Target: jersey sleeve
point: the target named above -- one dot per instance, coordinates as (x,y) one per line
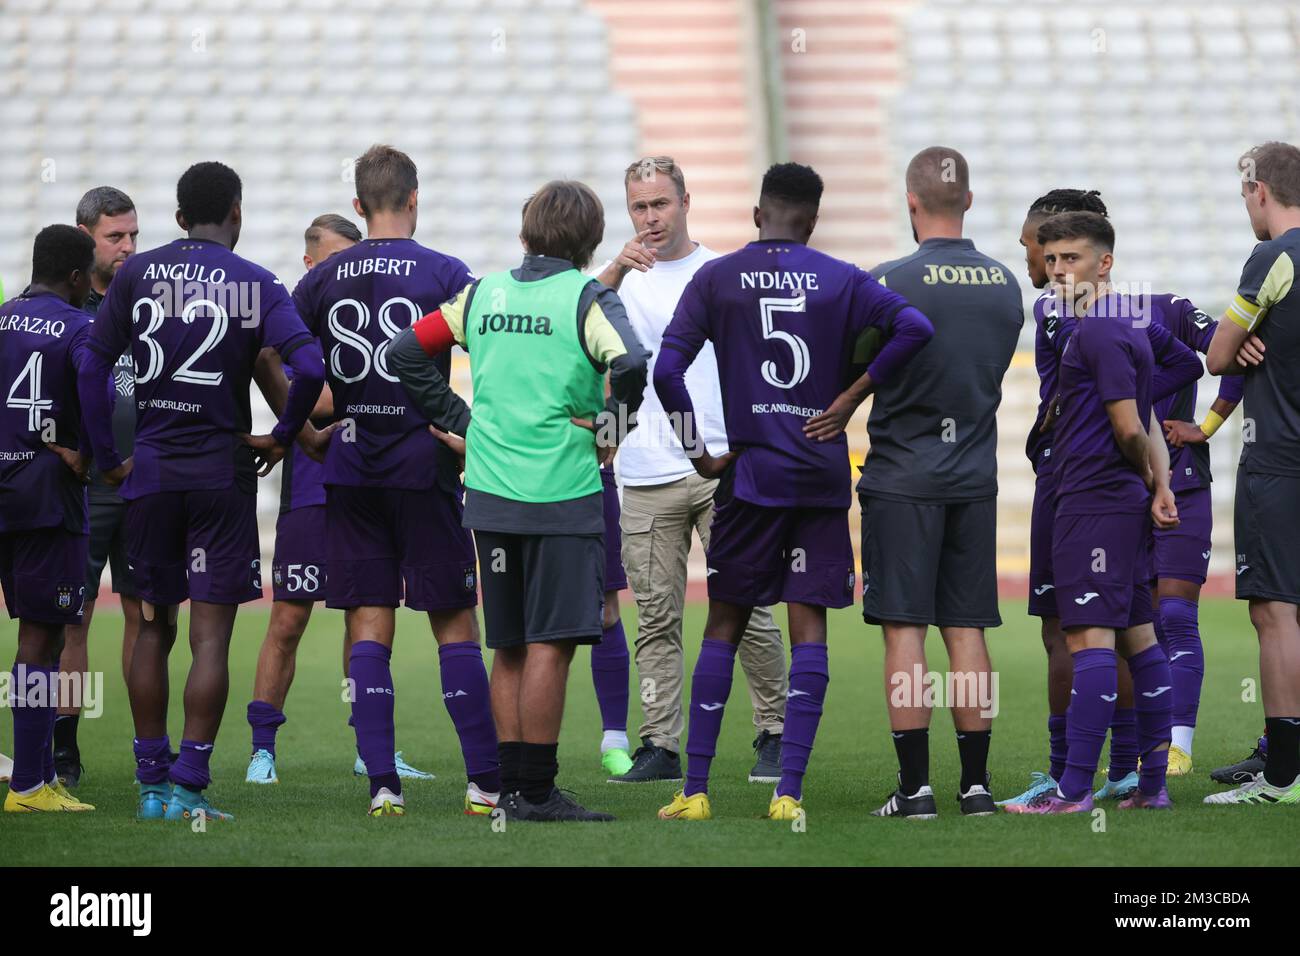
(1177,366)
(690,326)
(1195,328)
(905,329)
(686,334)
(874,303)
(282,329)
(304,300)
(111,332)
(1267,277)
(281,326)
(455,274)
(1066,326)
(453,318)
(94,362)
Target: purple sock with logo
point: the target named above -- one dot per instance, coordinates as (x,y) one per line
(465,692)
(32,728)
(191,768)
(265,721)
(153,759)
(1092,704)
(1056,725)
(609,673)
(1123,743)
(1186,657)
(1152,693)
(372,710)
(710,687)
(809,677)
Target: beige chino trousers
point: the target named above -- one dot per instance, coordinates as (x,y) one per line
(656,523)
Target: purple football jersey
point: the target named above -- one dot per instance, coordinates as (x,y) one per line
(1159,313)
(355,303)
(195,315)
(42,348)
(302,484)
(1111,355)
(1189,465)
(302,480)
(784,320)
(1038,446)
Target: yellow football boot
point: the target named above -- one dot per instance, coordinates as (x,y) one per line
(784,808)
(1180,762)
(694,807)
(43,800)
(77,805)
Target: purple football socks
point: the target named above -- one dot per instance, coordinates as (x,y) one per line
(32,728)
(51,677)
(710,687)
(1153,697)
(153,759)
(1186,657)
(1123,743)
(465,692)
(372,711)
(809,677)
(265,721)
(1092,704)
(191,768)
(609,673)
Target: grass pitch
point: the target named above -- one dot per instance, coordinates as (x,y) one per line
(315,815)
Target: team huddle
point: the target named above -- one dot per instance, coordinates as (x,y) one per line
(723,385)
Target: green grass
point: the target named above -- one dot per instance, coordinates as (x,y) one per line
(315,816)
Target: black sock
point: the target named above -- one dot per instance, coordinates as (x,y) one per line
(508,754)
(537,769)
(973,747)
(913,747)
(65,731)
(1283,761)
(390,780)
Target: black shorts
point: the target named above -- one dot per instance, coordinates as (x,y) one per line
(930,563)
(541,587)
(1266,523)
(108,547)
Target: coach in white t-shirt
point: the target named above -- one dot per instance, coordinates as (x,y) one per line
(663,497)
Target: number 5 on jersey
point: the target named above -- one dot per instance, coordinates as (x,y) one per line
(768,306)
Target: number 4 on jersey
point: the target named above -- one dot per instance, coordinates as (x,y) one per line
(33,403)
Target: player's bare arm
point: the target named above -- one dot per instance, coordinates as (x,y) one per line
(1180,433)
(1164,510)
(1131,437)
(455,442)
(268,373)
(77,461)
(1231,344)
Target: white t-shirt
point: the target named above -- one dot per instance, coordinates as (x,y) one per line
(652,454)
